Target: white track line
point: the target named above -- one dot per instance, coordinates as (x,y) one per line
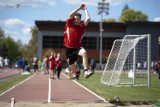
(49,90)
(87,89)
(15,86)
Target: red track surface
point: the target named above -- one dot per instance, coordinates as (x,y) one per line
(8,72)
(36,90)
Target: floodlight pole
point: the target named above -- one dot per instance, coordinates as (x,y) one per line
(101,41)
(102,7)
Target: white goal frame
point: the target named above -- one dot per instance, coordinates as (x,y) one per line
(117,59)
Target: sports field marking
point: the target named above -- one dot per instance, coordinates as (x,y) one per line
(15,86)
(49,90)
(87,89)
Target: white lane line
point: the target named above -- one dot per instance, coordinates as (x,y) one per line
(87,89)
(15,86)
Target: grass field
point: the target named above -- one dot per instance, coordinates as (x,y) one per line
(11,81)
(134,95)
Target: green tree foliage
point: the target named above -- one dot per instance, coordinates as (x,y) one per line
(49,51)
(126,7)
(130,15)
(1,42)
(18,49)
(9,47)
(109,20)
(12,49)
(31,48)
(22,49)
(1,33)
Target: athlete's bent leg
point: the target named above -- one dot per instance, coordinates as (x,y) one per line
(83,53)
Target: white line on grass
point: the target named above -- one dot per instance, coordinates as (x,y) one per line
(87,89)
(15,86)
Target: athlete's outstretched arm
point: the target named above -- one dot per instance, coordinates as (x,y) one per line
(87,16)
(76,10)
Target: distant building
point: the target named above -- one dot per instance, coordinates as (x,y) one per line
(50,35)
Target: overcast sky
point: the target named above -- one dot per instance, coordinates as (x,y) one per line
(17,22)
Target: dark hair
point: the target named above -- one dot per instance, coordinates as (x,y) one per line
(78,14)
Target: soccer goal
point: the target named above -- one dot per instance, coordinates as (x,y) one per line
(128,62)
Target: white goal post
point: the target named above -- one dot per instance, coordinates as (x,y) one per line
(129,62)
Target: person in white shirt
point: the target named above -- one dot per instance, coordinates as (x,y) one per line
(6,62)
(1,62)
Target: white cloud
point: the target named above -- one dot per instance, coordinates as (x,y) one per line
(157,19)
(26,30)
(17,29)
(13,23)
(32,3)
(94,2)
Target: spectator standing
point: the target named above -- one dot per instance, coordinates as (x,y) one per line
(20,65)
(138,65)
(52,63)
(58,65)
(1,62)
(6,62)
(39,64)
(43,65)
(46,64)
(145,65)
(35,64)
(156,66)
(152,65)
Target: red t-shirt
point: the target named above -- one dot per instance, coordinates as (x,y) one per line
(59,62)
(52,63)
(73,34)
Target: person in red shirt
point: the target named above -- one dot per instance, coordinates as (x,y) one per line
(58,65)
(52,63)
(73,34)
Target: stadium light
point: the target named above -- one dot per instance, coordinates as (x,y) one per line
(103,7)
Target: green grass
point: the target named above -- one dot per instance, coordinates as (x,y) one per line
(127,95)
(11,81)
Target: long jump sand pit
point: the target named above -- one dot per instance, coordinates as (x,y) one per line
(36,104)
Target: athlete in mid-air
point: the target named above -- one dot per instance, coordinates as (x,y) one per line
(73,34)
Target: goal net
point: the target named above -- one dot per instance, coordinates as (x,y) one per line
(128,62)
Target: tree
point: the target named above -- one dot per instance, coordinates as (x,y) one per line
(22,49)
(126,7)
(8,47)
(131,15)
(31,48)
(109,20)
(49,51)
(2,46)
(1,33)
(3,49)
(12,49)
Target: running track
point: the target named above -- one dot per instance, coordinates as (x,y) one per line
(35,89)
